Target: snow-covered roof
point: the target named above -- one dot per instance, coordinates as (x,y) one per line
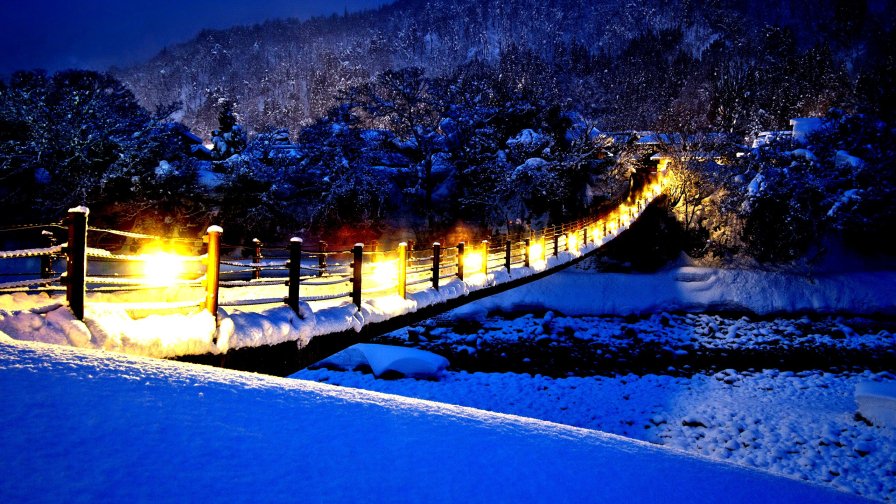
(652,138)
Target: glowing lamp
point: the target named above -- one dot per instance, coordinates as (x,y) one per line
(384,273)
(162,268)
(536,251)
(473,261)
(572,242)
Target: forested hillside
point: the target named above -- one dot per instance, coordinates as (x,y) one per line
(433,119)
(742,66)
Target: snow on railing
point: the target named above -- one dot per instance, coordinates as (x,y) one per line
(35,252)
(38,282)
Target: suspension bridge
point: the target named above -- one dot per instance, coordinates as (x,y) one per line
(335,297)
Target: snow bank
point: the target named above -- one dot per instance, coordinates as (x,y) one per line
(575,292)
(107,427)
(797,424)
(877,402)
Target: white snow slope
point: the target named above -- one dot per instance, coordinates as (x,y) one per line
(84,425)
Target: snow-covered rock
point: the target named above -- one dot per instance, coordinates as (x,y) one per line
(756,186)
(844,159)
(410,362)
(533,167)
(164,169)
(528,140)
(803,153)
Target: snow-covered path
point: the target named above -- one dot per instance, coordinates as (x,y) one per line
(91,426)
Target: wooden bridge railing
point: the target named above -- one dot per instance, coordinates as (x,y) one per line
(318,274)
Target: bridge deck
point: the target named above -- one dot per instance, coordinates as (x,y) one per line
(286,358)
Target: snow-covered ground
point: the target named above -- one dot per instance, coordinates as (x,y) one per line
(85,425)
(802,425)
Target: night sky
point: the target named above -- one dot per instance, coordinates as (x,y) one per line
(96,34)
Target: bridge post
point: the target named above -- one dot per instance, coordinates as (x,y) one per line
(526,253)
(436,262)
(584,235)
(322,258)
(46,261)
(460,261)
(256,259)
(403,270)
(213,270)
(507,248)
(485,258)
(295,273)
(76,260)
(357,265)
(556,243)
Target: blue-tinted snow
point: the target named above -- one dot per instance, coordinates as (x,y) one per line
(92,426)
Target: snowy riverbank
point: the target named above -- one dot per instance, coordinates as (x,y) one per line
(699,289)
(789,406)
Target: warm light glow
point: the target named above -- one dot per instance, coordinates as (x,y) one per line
(473,262)
(572,242)
(536,252)
(383,273)
(162,268)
